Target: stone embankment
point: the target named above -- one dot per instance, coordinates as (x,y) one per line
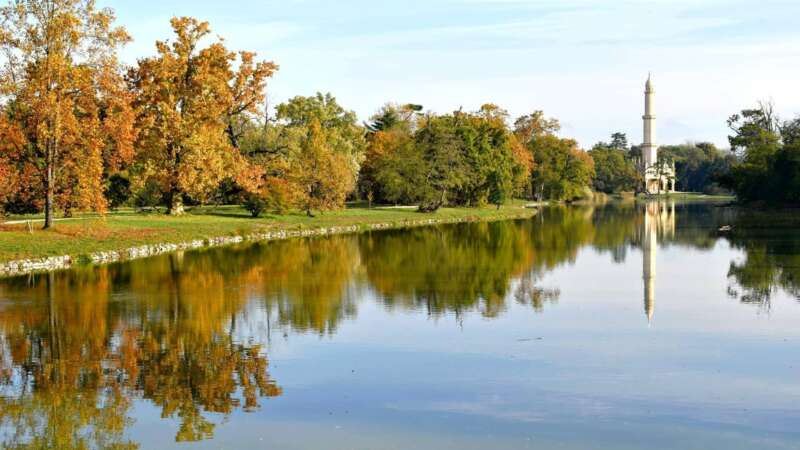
(26,266)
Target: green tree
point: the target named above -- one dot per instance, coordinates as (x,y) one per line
(614,170)
(445,167)
(699,167)
(755,140)
(562,171)
(619,141)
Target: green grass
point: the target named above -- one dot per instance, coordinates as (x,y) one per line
(90,233)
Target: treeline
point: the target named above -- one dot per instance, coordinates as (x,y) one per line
(767,149)
(699,167)
(187,125)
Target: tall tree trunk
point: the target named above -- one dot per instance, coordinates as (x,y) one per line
(49,187)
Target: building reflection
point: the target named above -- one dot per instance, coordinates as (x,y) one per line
(658,223)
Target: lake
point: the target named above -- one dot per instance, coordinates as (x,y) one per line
(626,326)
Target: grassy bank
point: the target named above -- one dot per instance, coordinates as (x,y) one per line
(124,229)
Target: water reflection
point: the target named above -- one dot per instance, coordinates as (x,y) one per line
(79,348)
(771,263)
(448,270)
(659,222)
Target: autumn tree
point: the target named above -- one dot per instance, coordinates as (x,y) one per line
(531,126)
(248,87)
(61,85)
(389,131)
(345,135)
(311,156)
(323,176)
(189,99)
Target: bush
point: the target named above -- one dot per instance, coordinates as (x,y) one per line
(255,204)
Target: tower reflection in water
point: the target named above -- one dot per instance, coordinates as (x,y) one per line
(659,222)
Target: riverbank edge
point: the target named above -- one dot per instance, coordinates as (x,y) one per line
(53,263)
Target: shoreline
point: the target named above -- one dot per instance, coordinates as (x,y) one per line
(64,262)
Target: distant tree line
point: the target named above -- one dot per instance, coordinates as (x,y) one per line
(699,167)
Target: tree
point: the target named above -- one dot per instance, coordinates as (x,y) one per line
(500,188)
(756,141)
(187,97)
(535,125)
(444,164)
(489,145)
(527,129)
(396,167)
(391,128)
(61,83)
(563,172)
(699,167)
(248,87)
(344,135)
(619,141)
(614,170)
(323,175)
(312,155)
(382,147)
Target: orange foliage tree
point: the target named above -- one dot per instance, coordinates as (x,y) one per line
(60,74)
(189,99)
(248,87)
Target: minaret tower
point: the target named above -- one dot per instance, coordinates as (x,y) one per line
(649,147)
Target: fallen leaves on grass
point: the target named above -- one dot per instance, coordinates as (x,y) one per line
(99,230)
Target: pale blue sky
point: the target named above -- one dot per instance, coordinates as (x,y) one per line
(581,61)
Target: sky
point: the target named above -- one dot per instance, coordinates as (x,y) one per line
(581,61)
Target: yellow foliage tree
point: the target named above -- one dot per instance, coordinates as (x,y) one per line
(58,78)
(186,96)
(323,177)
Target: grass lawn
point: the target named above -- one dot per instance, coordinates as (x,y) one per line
(86,234)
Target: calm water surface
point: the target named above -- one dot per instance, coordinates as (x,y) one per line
(619,327)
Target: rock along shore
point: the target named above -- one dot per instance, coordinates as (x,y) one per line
(27,266)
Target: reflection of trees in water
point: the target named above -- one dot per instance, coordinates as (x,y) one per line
(529,293)
(76,347)
(75,357)
(448,269)
(58,393)
(771,247)
(310,283)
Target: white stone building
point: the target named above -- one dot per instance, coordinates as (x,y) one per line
(658,178)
